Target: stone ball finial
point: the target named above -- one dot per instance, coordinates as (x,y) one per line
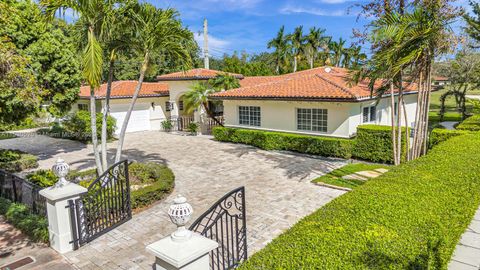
(61,169)
(180,213)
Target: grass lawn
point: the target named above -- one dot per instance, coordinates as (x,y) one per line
(335,177)
(4,136)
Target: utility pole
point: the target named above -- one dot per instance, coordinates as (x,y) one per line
(205,44)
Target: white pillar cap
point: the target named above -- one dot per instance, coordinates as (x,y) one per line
(179,254)
(59,193)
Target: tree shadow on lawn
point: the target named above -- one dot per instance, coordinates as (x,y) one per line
(296,165)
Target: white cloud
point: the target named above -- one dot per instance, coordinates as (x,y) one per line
(312,11)
(217,45)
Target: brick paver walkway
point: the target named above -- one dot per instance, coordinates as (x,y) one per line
(278,190)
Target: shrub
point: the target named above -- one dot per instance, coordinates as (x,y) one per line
(409,218)
(5,136)
(192,128)
(167,125)
(77,127)
(161,180)
(36,227)
(16,161)
(471,124)
(440,135)
(317,145)
(46,178)
(374,143)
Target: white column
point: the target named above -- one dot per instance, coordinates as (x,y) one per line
(59,223)
(183,249)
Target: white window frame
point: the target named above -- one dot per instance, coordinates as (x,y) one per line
(309,124)
(369,114)
(251,118)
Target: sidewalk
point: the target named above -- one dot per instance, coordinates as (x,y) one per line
(14,246)
(467,253)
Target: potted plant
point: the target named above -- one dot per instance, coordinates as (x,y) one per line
(167,125)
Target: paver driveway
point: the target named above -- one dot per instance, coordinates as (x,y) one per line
(278,189)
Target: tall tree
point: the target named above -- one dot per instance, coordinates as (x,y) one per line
(297,41)
(155,30)
(224,81)
(95,14)
(358,57)
(338,50)
(473,22)
(314,42)
(280,44)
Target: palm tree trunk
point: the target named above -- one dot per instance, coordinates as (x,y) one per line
(399,123)
(311,62)
(295,64)
(106,111)
(121,138)
(407,133)
(93,125)
(392,115)
(417,116)
(427,106)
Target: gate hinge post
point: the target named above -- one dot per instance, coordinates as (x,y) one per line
(58,213)
(191,254)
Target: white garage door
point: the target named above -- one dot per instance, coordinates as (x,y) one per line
(139,119)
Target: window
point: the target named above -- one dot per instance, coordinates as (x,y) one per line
(180,105)
(369,114)
(168,106)
(83,107)
(312,119)
(249,115)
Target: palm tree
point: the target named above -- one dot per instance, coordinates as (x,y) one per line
(280,45)
(197,97)
(358,57)
(224,81)
(154,30)
(314,41)
(95,14)
(338,50)
(297,41)
(347,57)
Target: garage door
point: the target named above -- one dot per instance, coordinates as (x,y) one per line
(139,119)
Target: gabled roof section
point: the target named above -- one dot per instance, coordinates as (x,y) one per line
(195,74)
(126,89)
(323,83)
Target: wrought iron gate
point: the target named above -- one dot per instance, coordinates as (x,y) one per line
(225,223)
(105,206)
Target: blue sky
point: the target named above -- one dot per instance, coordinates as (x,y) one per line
(247,25)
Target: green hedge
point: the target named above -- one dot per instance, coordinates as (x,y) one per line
(36,227)
(160,180)
(440,135)
(412,217)
(6,136)
(16,161)
(374,143)
(471,124)
(317,145)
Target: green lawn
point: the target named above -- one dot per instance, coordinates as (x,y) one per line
(449,102)
(335,177)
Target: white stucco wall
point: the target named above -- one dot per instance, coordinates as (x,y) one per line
(343,118)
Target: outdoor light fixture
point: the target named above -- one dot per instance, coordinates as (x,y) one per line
(61,169)
(180,213)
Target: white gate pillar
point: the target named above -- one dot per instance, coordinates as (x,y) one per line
(183,249)
(58,211)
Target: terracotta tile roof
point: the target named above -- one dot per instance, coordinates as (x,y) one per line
(194,74)
(126,89)
(315,84)
(440,78)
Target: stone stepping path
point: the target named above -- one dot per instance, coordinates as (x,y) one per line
(365,175)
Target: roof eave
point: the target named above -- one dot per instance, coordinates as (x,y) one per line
(123,97)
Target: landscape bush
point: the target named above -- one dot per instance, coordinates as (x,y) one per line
(374,143)
(46,178)
(316,145)
(5,136)
(160,181)
(36,227)
(16,161)
(471,124)
(412,217)
(440,135)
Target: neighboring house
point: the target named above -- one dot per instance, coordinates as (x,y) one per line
(440,81)
(318,101)
(149,110)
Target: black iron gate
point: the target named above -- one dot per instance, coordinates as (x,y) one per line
(225,223)
(105,206)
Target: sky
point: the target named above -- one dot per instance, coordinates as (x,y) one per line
(248,25)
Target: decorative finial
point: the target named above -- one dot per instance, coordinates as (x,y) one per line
(180,213)
(61,169)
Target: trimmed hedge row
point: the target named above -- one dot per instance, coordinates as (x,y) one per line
(36,227)
(410,218)
(160,180)
(316,145)
(372,143)
(439,135)
(471,124)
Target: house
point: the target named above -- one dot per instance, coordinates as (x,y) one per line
(149,110)
(440,81)
(318,101)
